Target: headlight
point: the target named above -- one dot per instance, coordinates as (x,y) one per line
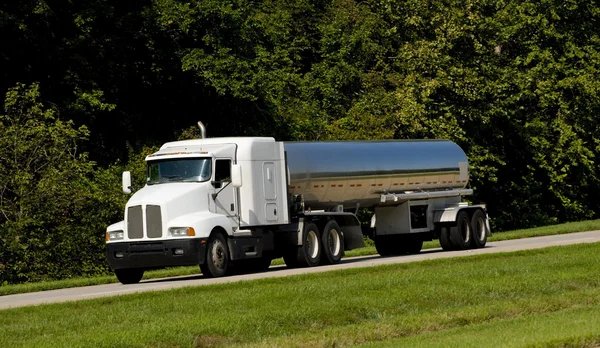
(116,235)
(182,231)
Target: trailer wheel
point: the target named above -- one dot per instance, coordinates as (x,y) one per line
(385,246)
(445,241)
(217,263)
(478,226)
(129,275)
(414,245)
(332,242)
(309,253)
(460,235)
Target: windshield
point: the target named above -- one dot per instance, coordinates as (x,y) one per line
(178,170)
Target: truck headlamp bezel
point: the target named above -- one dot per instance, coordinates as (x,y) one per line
(115,235)
(182,232)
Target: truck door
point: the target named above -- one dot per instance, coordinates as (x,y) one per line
(226,200)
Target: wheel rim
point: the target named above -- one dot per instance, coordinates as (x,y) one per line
(480,229)
(218,254)
(333,241)
(465,231)
(312,244)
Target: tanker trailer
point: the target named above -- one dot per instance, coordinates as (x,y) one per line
(414,186)
(234,204)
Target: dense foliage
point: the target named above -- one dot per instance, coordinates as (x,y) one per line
(90,84)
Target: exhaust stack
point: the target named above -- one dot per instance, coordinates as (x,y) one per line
(202,130)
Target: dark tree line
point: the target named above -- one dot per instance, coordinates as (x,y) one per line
(91,86)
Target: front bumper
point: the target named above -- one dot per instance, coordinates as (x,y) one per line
(156,254)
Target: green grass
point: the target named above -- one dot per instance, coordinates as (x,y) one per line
(368,250)
(573,327)
(485,299)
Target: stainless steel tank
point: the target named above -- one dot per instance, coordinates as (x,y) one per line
(350,172)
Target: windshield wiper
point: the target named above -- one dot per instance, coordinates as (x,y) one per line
(171,177)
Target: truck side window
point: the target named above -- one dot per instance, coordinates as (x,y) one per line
(223,170)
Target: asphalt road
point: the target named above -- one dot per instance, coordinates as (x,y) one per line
(76,294)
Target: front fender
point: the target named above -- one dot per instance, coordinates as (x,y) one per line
(203,223)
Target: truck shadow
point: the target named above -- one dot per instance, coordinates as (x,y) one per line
(276,268)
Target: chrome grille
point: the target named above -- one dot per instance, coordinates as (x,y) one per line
(135,228)
(153,221)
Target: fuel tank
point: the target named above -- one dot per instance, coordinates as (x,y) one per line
(347,173)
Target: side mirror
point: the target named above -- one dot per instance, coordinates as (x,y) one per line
(236,175)
(127,182)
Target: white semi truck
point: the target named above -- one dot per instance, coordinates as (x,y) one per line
(239,202)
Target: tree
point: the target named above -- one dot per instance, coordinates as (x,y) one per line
(47,187)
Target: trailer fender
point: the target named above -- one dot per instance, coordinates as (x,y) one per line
(447,216)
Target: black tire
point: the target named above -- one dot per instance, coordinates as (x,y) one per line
(460,235)
(290,259)
(445,241)
(414,244)
(332,242)
(309,253)
(384,246)
(260,264)
(479,229)
(129,275)
(217,262)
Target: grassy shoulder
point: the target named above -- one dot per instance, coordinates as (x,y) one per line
(570,227)
(572,327)
(436,302)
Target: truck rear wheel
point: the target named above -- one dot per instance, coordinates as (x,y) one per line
(309,253)
(129,275)
(460,235)
(332,242)
(217,262)
(289,257)
(478,227)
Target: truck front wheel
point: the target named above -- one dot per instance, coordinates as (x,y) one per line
(217,262)
(129,275)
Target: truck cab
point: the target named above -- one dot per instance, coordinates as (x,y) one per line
(193,196)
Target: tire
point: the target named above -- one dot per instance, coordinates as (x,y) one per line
(260,264)
(129,275)
(445,241)
(217,262)
(333,243)
(384,246)
(290,259)
(414,244)
(309,253)
(460,235)
(479,230)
